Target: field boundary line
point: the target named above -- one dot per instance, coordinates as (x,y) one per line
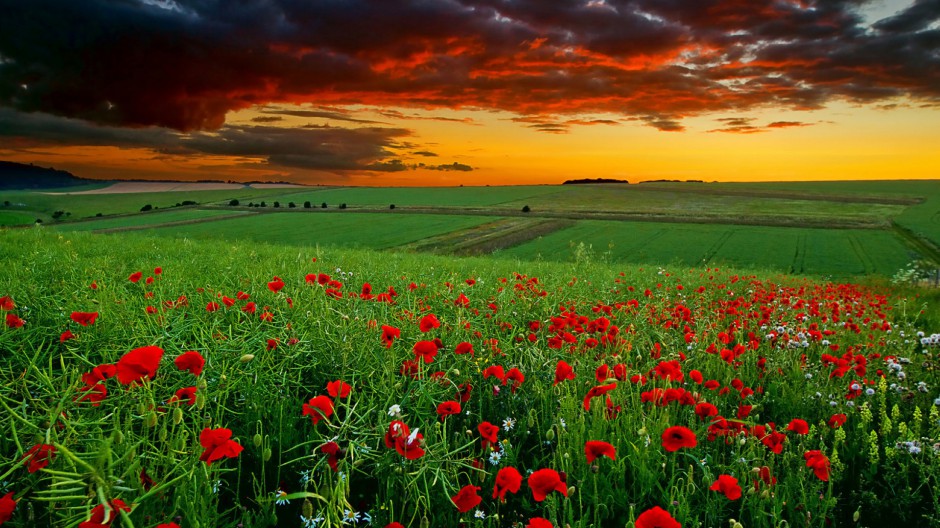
(108,230)
(920,244)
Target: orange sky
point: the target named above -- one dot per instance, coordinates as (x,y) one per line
(474,92)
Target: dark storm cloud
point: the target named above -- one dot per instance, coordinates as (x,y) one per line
(459,167)
(325,148)
(185,64)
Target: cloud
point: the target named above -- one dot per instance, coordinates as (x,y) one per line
(185,64)
(424,153)
(746,125)
(327,148)
(459,167)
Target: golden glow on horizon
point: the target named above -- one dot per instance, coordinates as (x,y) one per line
(842,142)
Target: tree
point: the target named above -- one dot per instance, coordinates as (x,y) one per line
(234,202)
(98,215)
(292,205)
(307,204)
(263,204)
(323,205)
(392,206)
(277,204)
(146,208)
(526,209)
(58,214)
(6,203)
(342,206)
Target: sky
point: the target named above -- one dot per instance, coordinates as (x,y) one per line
(472,92)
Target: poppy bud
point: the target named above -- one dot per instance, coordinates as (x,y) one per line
(857,515)
(307,510)
(550,435)
(738,525)
(455,372)
(177,415)
(425,523)
(257,440)
(570,490)
(765,494)
(162,434)
(151,419)
(200,400)
(742,440)
(531,421)
(246,358)
(118,437)
(201,384)
(266,455)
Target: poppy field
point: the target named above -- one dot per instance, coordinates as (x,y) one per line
(158,383)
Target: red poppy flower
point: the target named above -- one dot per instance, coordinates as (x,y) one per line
(488,431)
(597,391)
(168,525)
(728,485)
(84,318)
(563,371)
(134,277)
(93,393)
(139,363)
(704,409)
(66,336)
(462,301)
(798,426)
(394,525)
(464,348)
(466,499)
(428,323)
(837,420)
(7,505)
(448,408)
(425,350)
(677,437)
(507,480)
(389,333)
(669,370)
(318,408)
(101,517)
(516,377)
(774,442)
(271,345)
(14,321)
(538,522)
(545,481)
(186,394)
(191,361)
(656,517)
(145,481)
(332,450)
(819,463)
(6,303)
(276,284)
(39,457)
(338,389)
(464,391)
(596,448)
(218,444)
(409,446)
(495,371)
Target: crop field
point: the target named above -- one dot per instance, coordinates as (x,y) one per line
(150,380)
(788,227)
(366,230)
(148,219)
(835,253)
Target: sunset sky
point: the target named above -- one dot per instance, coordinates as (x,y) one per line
(448,92)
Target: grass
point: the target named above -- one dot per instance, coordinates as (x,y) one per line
(348,229)
(653,330)
(12,218)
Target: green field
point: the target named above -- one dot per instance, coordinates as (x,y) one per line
(833,229)
(147,219)
(364,230)
(836,253)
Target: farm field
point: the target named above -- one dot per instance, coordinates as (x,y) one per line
(216,383)
(836,253)
(366,230)
(882,226)
(148,219)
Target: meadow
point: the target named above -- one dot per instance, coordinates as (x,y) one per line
(149,380)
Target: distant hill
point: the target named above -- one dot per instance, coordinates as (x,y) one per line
(22,176)
(594,180)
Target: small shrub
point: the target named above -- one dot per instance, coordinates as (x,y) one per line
(292,205)
(391,206)
(234,202)
(342,206)
(146,208)
(526,209)
(323,205)
(277,204)
(307,204)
